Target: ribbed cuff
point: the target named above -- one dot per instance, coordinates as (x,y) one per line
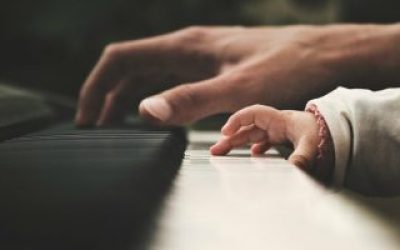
(325,160)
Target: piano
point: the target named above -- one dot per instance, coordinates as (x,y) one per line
(141,187)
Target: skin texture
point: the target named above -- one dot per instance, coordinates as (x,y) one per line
(264,126)
(200,71)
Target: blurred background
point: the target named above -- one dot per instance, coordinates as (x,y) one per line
(53,44)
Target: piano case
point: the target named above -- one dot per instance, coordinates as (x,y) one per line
(68,188)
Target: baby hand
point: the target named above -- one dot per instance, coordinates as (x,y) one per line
(264,127)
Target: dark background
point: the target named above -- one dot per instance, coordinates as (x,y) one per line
(53,44)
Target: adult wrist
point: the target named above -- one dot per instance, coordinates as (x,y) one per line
(359,54)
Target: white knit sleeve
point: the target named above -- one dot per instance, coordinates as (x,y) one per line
(365,129)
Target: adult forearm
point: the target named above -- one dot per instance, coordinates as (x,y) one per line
(363,56)
(209,70)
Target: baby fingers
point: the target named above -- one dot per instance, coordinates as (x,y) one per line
(260,148)
(258,115)
(250,134)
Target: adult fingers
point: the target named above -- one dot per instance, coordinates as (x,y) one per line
(105,75)
(114,109)
(188,102)
(180,55)
(119,101)
(119,62)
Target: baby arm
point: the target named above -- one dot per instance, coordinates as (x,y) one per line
(362,135)
(264,127)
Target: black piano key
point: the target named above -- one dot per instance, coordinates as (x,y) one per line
(68,188)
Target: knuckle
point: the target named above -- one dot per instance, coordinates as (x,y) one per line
(234,118)
(195,30)
(253,108)
(112,51)
(193,34)
(257,106)
(241,76)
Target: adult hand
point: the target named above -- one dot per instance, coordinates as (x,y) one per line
(208,70)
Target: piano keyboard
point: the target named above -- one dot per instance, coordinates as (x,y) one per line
(67,188)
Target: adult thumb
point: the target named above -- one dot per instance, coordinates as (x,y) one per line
(187,102)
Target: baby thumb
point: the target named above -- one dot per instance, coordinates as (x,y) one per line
(304,154)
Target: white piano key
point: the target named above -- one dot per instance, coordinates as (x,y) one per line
(241,202)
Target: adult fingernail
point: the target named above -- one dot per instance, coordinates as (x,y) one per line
(157,107)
